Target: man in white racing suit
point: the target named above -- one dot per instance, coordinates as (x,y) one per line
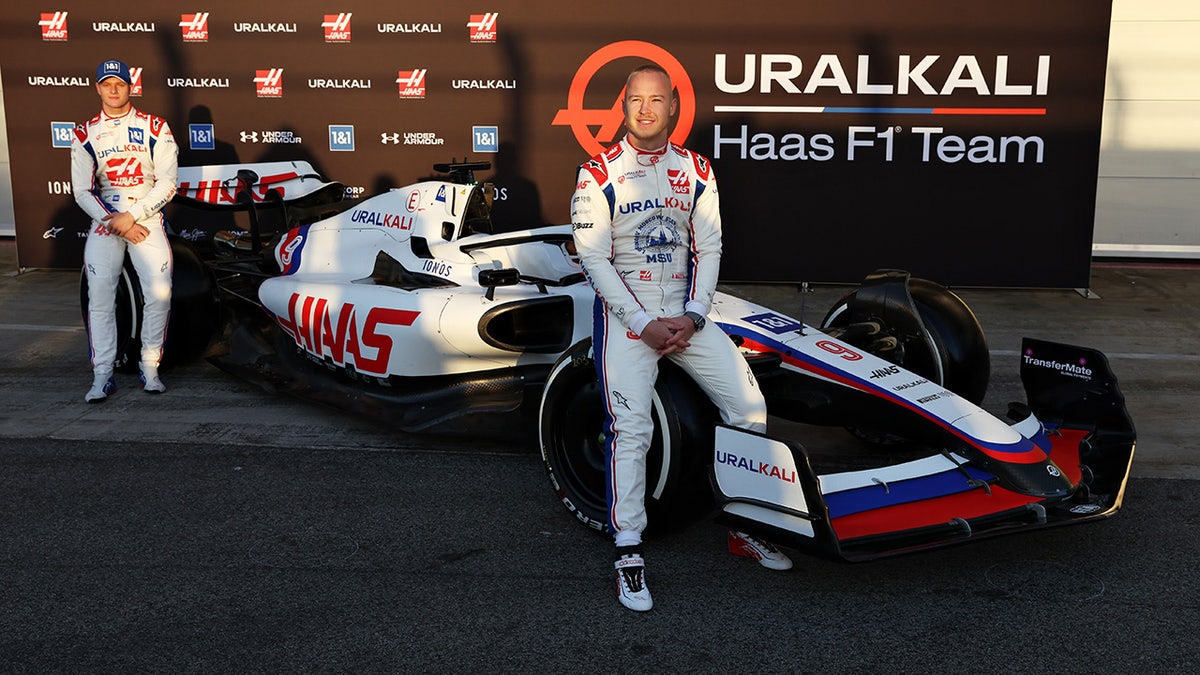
(647,224)
(124,166)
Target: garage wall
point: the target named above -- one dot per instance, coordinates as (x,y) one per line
(1148,190)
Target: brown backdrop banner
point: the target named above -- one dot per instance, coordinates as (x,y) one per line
(959,141)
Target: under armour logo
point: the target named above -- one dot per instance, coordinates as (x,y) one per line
(249,136)
(387,138)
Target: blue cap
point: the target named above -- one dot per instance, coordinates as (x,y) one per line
(113,68)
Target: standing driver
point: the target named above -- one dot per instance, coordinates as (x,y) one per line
(647,223)
(123,172)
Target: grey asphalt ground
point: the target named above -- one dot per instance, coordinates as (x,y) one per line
(218,528)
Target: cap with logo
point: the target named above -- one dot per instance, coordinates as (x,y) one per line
(113,68)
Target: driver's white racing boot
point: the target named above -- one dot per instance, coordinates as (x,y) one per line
(631,580)
(764,552)
(151,384)
(103,384)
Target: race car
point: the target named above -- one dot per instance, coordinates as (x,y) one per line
(407,307)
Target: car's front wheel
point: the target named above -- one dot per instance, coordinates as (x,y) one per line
(571,421)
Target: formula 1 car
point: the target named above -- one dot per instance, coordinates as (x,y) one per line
(407,307)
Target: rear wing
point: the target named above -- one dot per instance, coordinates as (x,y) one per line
(244,186)
(294,189)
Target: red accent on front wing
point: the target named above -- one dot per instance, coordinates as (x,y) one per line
(938,511)
(1064,451)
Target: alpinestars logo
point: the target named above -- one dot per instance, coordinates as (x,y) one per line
(135,87)
(337,27)
(125,172)
(54,26)
(482,27)
(411,83)
(194,27)
(269,83)
(610,120)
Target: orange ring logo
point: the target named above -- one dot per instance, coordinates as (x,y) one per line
(581,120)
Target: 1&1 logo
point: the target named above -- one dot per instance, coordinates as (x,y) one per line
(610,120)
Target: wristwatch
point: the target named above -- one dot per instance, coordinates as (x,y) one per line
(696,319)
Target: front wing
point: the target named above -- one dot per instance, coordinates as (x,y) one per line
(769,486)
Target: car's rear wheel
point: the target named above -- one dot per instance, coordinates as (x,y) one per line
(194,310)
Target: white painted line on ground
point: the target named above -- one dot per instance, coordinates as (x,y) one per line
(1118,355)
(40,329)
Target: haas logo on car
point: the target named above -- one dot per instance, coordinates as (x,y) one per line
(344,333)
(125,172)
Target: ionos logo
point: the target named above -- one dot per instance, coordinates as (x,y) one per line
(269,83)
(194,27)
(482,27)
(135,87)
(337,27)
(412,83)
(54,26)
(610,120)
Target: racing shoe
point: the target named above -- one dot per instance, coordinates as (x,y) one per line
(631,582)
(103,384)
(151,384)
(764,552)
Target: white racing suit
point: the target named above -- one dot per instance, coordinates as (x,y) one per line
(128,163)
(648,229)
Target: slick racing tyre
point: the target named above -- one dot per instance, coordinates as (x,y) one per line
(960,360)
(194,316)
(129,316)
(570,425)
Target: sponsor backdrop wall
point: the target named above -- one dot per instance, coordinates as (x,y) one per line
(956,140)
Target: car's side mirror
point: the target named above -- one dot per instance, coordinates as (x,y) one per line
(506,276)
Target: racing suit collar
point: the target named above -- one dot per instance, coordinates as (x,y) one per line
(105,117)
(648,157)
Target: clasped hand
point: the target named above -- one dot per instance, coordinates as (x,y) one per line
(123,225)
(669,335)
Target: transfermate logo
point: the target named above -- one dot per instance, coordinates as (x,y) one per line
(54,26)
(411,83)
(609,121)
(482,27)
(337,27)
(135,87)
(269,83)
(194,27)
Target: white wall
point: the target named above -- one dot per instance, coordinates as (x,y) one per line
(1148,189)
(8,222)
